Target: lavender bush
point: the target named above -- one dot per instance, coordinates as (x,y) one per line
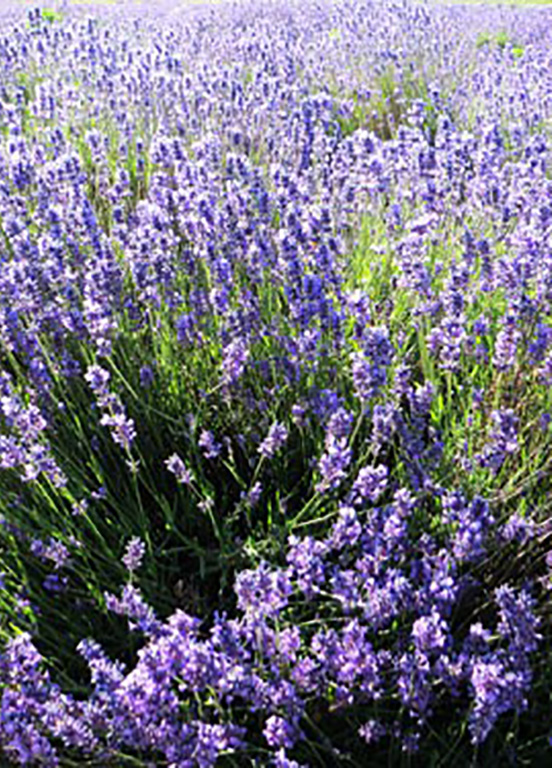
(275,385)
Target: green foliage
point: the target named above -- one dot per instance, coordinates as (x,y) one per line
(50,15)
(387,104)
(501,40)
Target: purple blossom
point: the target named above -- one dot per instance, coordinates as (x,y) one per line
(503,439)
(132,605)
(211,449)
(279,732)
(134,554)
(98,379)
(305,559)
(518,621)
(275,439)
(372,731)
(506,346)
(147,376)
(371,482)
(175,465)
(496,690)
(262,592)
(347,530)
(235,357)
(369,369)
(517,528)
(54,551)
(281,760)
(340,423)
(430,633)
(334,463)
(298,413)
(122,429)
(254,494)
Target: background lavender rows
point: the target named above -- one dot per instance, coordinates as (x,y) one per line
(275,385)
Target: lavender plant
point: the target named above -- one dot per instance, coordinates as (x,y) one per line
(275,369)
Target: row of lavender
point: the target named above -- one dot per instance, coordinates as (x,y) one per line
(276,358)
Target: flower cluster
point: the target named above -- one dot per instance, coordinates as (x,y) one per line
(365,575)
(275,291)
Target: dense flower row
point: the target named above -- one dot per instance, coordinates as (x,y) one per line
(275,287)
(385,606)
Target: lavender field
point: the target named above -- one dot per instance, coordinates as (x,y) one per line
(276,385)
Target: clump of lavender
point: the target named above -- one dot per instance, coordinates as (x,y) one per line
(266,661)
(206,222)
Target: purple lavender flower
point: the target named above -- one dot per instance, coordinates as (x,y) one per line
(146,376)
(517,528)
(503,439)
(414,682)
(372,731)
(506,346)
(368,378)
(211,449)
(132,605)
(279,732)
(347,530)
(98,379)
(106,675)
(340,423)
(122,428)
(134,553)
(369,369)
(235,357)
(175,465)
(262,592)
(298,413)
(518,621)
(275,439)
(306,563)
(334,463)
(430,633)
(371,482)
(496,690)
(281,760)
(254,494)
(55,551)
